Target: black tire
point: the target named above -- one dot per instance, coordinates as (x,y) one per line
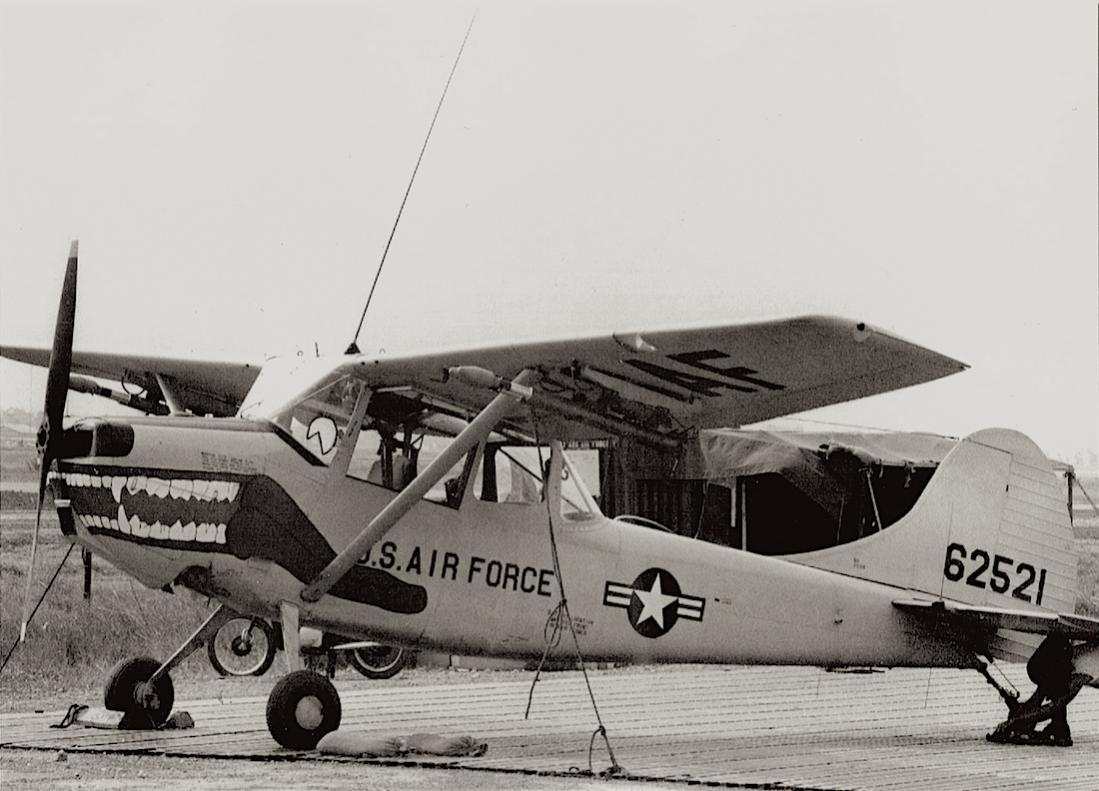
(302,708)
(123,693)
(377,661)
(243,647)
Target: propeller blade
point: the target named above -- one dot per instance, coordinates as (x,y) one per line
(57,380)
(34,551)
(53,412)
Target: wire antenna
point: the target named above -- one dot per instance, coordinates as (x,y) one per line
(353,348)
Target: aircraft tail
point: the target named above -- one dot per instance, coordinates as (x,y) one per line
(991,529)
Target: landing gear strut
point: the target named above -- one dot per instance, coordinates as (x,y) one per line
(1051,670)
(141,687)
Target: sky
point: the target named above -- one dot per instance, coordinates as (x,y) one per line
(233,171)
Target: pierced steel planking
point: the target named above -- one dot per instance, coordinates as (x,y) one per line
(792,727)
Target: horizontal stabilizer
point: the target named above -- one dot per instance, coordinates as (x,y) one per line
(1076,627)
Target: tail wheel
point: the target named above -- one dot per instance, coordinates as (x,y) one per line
(302,708)
(378,661)
(145,705)
(243,647)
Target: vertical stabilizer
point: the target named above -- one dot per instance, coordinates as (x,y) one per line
(990,529)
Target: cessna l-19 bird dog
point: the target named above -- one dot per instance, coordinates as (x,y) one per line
(297,493)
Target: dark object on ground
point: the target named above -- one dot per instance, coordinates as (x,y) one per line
(127,691)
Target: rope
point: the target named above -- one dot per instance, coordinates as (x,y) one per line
(30,618)
(562,610)
(1084,492)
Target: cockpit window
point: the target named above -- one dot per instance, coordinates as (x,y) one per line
(319,419)
(514,474)
(392,458)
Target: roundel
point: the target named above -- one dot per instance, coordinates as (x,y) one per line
(654,602)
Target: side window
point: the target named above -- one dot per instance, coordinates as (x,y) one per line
(505,476)
(384,458)
(374,460)
(513,474)
(451,488)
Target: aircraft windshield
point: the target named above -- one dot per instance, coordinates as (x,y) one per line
(284,381)
(316,416)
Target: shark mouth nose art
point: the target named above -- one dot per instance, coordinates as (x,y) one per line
(179,510)
(247,516)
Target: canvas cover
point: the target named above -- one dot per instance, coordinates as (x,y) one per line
(727,453)
(828,467)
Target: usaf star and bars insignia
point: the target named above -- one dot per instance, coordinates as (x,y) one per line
(653,602)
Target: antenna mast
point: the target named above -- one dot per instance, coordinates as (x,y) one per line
(353,347)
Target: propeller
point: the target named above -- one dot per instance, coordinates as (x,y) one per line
(48,440)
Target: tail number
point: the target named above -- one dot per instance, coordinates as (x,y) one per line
(974,567)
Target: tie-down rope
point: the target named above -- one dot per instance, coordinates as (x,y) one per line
(551,632)
(41,598)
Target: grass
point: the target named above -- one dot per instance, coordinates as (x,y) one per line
(72,644)
(1087,575)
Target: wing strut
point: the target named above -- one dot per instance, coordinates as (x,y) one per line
(400,505)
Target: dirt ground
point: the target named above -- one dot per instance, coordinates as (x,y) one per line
(37,769)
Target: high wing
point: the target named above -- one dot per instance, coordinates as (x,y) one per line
(663,384)
(653,384)
(205,387)
(971,617)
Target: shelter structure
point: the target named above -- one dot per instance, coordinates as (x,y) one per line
(773,492)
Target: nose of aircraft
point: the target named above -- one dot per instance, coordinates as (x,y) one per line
(87,439)
(105,438)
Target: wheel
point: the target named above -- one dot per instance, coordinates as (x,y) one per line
(243,647)
(302,708)
(128,692)
(377,661)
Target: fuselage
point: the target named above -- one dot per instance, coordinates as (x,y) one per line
(237,510)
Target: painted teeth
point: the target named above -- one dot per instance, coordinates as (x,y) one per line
(201,489)
(175,488)
(130,524)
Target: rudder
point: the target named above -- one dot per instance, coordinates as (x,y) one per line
(991,528)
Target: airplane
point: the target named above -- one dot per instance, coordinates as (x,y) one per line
(301,491)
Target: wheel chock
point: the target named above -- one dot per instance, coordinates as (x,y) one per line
(97,717)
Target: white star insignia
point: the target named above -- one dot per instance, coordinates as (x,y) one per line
(653,603)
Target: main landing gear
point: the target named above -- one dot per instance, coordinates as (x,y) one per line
(1051,670)
(302,707)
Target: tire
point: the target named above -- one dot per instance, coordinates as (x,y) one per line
(243,647)
(302,708)
(378,661)
(121,693)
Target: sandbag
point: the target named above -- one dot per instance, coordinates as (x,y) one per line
(433,744)
(359,745)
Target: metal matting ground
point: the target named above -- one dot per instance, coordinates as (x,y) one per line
(754,726)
